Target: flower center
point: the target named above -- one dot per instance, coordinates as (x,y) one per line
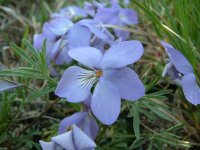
(99,73)
(106,46)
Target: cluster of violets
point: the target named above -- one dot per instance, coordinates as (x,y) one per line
(106,57)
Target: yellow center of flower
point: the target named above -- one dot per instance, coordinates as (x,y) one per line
(99,73)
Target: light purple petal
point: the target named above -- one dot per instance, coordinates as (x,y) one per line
(127,82)
(110,15)
(88,56)
(65,140)
(79,36)
(79,12)
(171,71)
(91,25)
(115,5)
(177,59)
(122,34)
(122,54)
(90,127)
(106,102)
(63,56)
(47,145)
(191,89)
(87,102)
(76,118)
(38,40)
(55,48)
(48,33)
(7,85)
(90,8)
(60,26)
(81,140)
(128,16)
(71,87)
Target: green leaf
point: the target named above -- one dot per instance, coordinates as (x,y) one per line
(152,83)
(22,54)
(136,123)
(39,94)
(137,143)
(176,127)
(159,113)
(31,48)
(25,36)
(20,73)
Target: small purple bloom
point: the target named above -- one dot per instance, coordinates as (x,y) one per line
(91,8)
(57,46)
(115,81)
(116,15)
(182,72)
(71,12)
(71,140)
(82,120)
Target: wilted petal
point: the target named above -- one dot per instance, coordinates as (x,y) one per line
(6,85)
(90,127)
(47,145)
(122,54)
(71,87)
(81,140)
(127,82)
(76,118)
(191,89)
(88,56)
(177,59)
(79,36)
(106,102)
(65,140)
(60,26)
(128,16)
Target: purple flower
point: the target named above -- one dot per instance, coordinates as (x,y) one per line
(104,44)
(78,34)
(81,119)
(116,15)
(91,8)
(180,69)
(71,12)
(71,140)
(115,81)
(57,46)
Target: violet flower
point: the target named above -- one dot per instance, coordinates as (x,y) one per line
(104,44)
(71,12)
(91,8)
(82,120)
(57,46)
(115,81)
(116,15)
(71,140)
(181,71)
(78,34)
